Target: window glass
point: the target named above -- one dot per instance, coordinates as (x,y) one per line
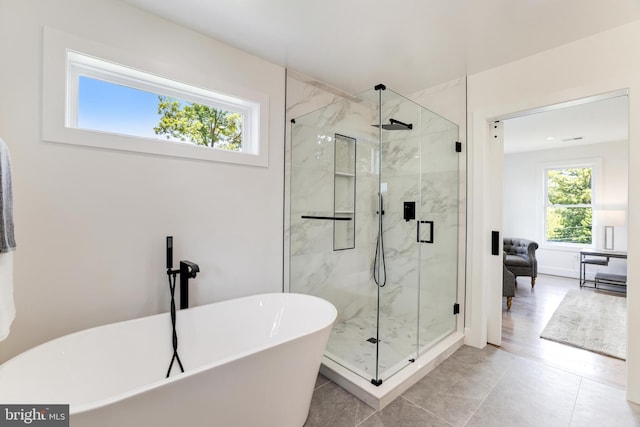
(111,107)
(569,205)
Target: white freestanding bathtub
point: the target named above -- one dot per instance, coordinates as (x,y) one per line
(248,362)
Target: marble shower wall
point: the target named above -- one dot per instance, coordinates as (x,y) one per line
(342,277)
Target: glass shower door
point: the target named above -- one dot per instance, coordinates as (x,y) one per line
(439,229)
(400,189)
(419,185)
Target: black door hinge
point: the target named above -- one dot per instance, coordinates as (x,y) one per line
(456,308)
(458,147)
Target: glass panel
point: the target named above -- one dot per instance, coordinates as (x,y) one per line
(318,163)
(569,212)
(440,205)
(111,107)
(400,184)
(569,225)
(570,186)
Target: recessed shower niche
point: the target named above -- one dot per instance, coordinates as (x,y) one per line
(374,200)
(344,193)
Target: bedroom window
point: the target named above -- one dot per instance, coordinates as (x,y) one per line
(569,205)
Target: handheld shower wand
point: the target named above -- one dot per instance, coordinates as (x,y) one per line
(169,252)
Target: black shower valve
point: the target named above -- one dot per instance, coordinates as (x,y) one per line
(409,211)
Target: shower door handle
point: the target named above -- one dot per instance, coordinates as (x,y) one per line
(430,231)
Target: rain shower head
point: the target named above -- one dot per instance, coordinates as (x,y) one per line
(396,125)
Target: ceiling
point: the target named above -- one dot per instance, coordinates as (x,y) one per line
(409,45)
(599,121)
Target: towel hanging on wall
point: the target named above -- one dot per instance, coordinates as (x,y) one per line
(7,307)
(7,243)
(7,239)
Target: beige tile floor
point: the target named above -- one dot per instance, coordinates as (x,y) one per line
(487,387)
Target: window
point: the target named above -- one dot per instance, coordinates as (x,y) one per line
(569,205)
(99,96)
(112,98)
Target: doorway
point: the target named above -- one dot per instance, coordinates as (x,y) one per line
(591,131)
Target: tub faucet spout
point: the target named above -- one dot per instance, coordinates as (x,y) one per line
(188,270)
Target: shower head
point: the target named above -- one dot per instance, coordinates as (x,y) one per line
(395,125)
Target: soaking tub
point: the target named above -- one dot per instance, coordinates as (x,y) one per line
(248,362)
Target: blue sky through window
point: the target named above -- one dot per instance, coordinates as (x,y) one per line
(119,109)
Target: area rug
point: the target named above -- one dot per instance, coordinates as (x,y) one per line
(592,321)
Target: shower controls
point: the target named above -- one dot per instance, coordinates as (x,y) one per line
(409,211)
(188,270)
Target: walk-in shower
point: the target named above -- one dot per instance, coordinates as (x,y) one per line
(374,227)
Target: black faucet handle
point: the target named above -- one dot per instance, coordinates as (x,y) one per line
(191,268)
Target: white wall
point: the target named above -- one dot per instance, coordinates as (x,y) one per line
(603,63)
(90,223)
(523,200)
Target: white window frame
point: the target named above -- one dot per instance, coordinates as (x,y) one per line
(594,165)
(67,57)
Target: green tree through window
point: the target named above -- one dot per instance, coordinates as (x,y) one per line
(569,205)
(199,124)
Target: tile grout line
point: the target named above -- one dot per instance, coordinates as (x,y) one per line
(427,411)
(564,369)
(321,385)
(485,399)
(560,368)
(371,415)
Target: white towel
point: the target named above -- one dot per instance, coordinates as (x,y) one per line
(7,308)
(7,239)
(7,243)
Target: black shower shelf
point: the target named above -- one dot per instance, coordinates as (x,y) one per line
(328,218)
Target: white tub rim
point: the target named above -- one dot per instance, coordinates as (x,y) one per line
(84,407)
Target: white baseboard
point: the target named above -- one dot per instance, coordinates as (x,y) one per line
(562,272)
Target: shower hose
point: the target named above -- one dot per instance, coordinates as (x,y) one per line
(379,257)
(172,289)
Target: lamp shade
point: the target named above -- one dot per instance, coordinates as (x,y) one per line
(614,218)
